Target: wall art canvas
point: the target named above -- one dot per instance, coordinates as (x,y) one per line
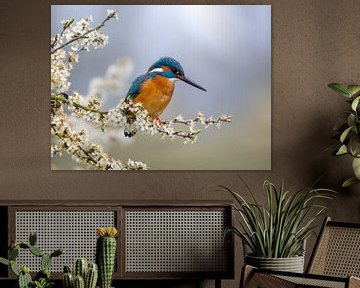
(160,87)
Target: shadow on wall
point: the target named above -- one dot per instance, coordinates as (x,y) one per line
(335,170)
(311,158)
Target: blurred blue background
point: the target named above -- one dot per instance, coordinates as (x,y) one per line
(226,49)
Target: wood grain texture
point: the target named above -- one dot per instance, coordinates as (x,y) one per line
(313,43)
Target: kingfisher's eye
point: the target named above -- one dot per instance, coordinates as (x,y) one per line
(177,72)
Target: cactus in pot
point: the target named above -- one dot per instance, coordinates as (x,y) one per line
(79,282)
(81,266)
(91,276)
(68,278)
(25,279)
(42,278)
(106,254)
(85,275)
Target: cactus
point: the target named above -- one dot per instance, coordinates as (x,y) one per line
(88,273)
(24,246)
(67,269)
(25,269)
(44,273)
(79,282)
(24,278)
(68,280)
(36,251)
(4,261)
(14,268)
(106,254)
(32,238)
(80,267)
(57,252)
(13,253)
(91,276)
(45,261)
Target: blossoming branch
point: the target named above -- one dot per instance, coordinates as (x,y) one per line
(66,46)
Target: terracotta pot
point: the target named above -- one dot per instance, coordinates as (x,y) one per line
(291,264)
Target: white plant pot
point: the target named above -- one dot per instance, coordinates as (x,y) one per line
(291,264)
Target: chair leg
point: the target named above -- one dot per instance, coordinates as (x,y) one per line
(246,273)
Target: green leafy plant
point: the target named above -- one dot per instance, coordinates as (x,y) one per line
(348,132)
(42,278)
(279,229)
(43,283)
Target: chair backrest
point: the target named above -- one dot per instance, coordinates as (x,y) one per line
(337,251)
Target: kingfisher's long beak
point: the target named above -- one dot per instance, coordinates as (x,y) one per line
(192,83)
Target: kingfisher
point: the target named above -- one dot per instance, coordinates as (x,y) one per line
(154,89)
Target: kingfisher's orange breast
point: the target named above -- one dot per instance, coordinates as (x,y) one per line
(155,94)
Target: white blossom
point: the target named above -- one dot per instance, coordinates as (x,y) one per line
(73,57)
(112,14)
(115,79)
(60,71)
(75,143)
(80,36)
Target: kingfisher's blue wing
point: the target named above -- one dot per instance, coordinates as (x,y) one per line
(136,86)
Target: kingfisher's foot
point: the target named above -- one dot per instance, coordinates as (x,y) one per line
(158,121)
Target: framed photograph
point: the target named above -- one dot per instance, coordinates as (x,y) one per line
(161,87)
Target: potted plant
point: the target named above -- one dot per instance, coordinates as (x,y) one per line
(276,233)
(87,274)
(348,133)
(25,280)
(84,274)
(106,254)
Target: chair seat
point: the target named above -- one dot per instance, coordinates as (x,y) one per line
(315,282)
(263,278)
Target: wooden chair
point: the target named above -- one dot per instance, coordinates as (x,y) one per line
(335,262)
